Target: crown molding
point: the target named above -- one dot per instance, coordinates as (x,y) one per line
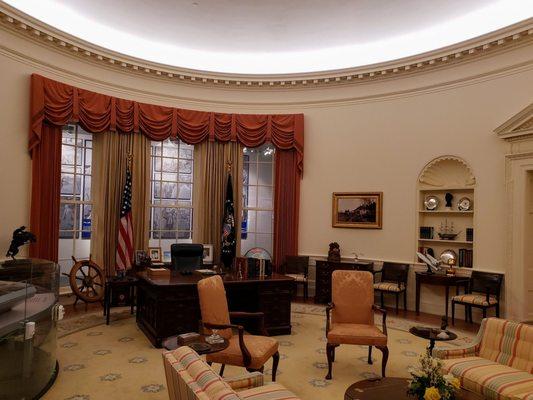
(519,126)
(515,35)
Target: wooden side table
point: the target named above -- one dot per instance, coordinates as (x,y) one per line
(440,280)
(114,286)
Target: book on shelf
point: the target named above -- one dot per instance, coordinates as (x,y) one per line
(469,234)
(426,232)
(465,258)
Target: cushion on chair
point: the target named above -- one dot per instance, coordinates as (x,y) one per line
(389,287)
(477,299)
(340,333)
(489,378)
(268,392)
(508,343)
(298,277)
(353,297)
(261,349)
(213,303)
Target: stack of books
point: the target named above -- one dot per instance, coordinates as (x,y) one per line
(253,267)
(426,232)
(469,234)
(465,258)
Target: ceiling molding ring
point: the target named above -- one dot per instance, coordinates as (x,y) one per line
(489,44)
(447,171)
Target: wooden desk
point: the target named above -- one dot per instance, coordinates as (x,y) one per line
(170,306)
(324,269)
(441,280)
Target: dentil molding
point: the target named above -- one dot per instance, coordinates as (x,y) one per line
(515,35)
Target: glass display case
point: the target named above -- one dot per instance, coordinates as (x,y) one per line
(29,291)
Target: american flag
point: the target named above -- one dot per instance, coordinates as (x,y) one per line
(125,232)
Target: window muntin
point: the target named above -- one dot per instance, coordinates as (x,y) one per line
(257,224)
(171,189)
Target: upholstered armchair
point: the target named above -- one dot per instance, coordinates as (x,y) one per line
(248,351)
(350,317)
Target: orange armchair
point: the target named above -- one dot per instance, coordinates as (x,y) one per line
(350,317)
(248,351)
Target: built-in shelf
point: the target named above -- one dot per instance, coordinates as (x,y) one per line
(448,189)
(446,241)
(447,212)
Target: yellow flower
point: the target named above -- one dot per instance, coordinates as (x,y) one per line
(455,383)
(432,393)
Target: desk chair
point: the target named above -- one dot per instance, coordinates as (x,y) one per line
(249,351)
(350,318)
(187,256)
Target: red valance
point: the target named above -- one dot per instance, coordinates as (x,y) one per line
(57,103)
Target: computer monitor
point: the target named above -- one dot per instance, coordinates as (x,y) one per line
(187,256)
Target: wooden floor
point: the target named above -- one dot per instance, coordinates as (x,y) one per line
(423,318)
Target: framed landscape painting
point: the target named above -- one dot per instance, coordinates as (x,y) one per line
(358,210)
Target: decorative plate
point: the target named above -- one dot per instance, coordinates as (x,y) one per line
(464,204)
(431,203)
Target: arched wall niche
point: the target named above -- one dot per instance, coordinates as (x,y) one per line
(447,172)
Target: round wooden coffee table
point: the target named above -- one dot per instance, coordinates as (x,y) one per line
(391,388)
(378,389)
(426,332)
(199,345)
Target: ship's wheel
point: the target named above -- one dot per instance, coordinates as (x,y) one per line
(87,281)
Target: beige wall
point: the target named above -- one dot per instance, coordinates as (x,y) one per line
(374,136)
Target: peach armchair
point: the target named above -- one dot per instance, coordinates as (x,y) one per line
(249,351)
(350,316)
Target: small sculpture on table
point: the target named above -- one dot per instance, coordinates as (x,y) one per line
(334,253)
(20,238)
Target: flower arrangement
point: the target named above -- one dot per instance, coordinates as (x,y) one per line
(429,383)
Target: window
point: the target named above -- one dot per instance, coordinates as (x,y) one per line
(76,203)
(171,210)
(258,198)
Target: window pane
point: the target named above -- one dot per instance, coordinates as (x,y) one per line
(264,199)
(170,164)
(245,173)
(186,166)
(87,188)
(67,155)
(264,222)
(267,154)
(252,174)
(88,161)
(184,236)
(67,216)
(248,243)
(186,152)
(264,241)
(185,191)
(86,222)
(250,154)
(170,149)
(169,191)
(185,219)
(265,174)
(185,177)
(251,219)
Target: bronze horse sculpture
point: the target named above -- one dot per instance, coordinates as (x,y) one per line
(20,237)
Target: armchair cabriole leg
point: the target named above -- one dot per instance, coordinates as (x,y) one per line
(453,312)
(385,351)
(275,362)
(330,348)
(405,300)
(370,355)
(222,369)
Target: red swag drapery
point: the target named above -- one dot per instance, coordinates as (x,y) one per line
(54,104)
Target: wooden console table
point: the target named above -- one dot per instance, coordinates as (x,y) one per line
(170,306)
(441,280)
(324,269)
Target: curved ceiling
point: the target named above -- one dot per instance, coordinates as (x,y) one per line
(275,36)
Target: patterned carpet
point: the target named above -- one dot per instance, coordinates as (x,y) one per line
(117,361)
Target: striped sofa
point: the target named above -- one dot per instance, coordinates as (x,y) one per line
(190,378)
(498,365)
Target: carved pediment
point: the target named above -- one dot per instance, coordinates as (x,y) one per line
(518,126)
